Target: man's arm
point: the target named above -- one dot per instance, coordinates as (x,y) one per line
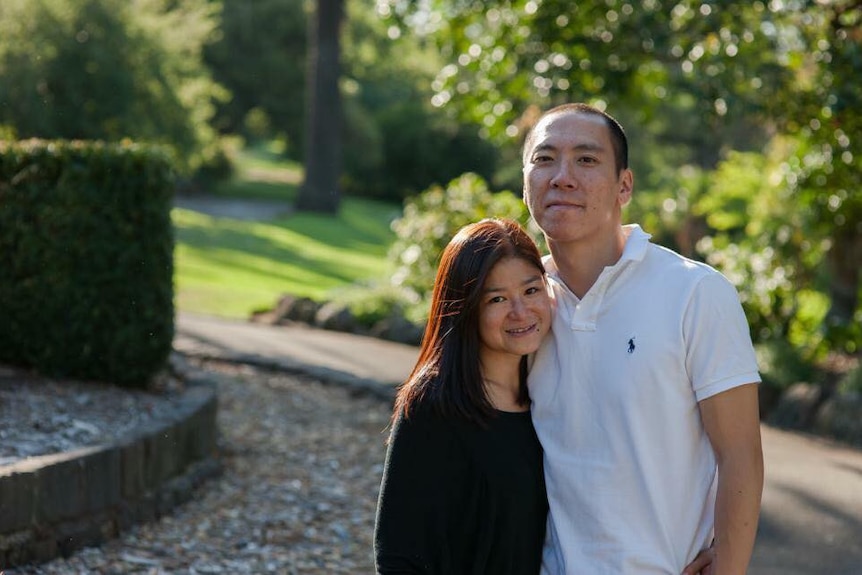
(732,422)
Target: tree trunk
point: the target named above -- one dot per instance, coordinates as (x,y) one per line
(843,260)
(320,191)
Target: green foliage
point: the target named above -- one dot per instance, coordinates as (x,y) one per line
(108,70)
(693,81)
(86,281)
(754,241)
(395,143)
(406,148)
(429,222)
(260,57)
(372,302)
(852,381)
(781,365)
(505,57)
(736,184)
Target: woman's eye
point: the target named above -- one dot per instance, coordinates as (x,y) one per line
(496,299)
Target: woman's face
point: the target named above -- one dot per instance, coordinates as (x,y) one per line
(515,311)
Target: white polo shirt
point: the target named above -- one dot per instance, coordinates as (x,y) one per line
(630,473)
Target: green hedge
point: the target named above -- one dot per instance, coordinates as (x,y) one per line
(86,259)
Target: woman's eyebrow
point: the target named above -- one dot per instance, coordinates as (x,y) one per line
(528,281)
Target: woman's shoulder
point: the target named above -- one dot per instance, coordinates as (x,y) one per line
(422,413)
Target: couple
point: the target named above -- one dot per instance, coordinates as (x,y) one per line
(634,445)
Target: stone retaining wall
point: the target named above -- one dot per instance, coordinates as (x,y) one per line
(55,504)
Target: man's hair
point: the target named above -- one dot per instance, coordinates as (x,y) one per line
(619,141)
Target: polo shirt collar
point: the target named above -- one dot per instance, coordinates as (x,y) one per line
(582,314)
(637,242)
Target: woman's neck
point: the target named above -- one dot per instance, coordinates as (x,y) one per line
(504,396)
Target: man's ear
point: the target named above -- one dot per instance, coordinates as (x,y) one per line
(626,184)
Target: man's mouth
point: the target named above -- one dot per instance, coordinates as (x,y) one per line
(563,205)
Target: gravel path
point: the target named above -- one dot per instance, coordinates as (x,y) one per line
(302,466)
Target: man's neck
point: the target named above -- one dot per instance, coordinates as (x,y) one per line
(580,263)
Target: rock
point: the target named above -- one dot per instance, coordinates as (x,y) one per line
(291,308)
(336,316)
(838,417)
(399,329)
(797,407)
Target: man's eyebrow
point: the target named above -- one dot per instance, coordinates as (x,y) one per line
(582,147)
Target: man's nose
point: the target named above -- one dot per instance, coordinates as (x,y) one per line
(564,176)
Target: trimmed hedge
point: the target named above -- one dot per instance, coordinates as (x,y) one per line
(86,259)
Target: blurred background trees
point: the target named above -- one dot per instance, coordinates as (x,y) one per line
(743,116)
(745,147)
(111,69)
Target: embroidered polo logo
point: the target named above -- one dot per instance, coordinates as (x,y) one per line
(632,345)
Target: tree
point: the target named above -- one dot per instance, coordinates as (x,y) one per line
(110,69)
(260,57)
(823,173)
(694,81)
(323,155)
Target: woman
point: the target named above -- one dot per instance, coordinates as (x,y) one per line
(463,489)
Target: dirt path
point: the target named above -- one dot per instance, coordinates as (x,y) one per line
(302,468)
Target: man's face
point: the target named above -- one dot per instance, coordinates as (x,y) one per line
(571,185)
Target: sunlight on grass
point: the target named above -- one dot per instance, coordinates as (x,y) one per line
(232,267)
(260,173)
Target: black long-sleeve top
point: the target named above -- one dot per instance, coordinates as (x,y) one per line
(458,499)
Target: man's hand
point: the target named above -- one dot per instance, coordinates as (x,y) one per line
(702,564)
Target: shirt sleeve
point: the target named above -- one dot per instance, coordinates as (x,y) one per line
(422,490)
(719,352)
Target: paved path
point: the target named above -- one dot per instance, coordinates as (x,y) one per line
(812,503)
(812,507)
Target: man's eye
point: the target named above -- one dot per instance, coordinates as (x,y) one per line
(532,290)
(541,159)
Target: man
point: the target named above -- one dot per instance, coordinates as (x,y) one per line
(647,387)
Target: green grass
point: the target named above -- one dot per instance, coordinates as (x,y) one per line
(230,267)
(261,174)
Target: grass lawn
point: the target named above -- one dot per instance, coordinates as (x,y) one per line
(231,267)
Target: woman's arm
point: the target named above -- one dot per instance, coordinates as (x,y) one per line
(423,478)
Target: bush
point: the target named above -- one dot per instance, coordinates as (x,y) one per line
(851,382)
(395,153)
(429,222)
(781,365)
(87,248)
(110,69)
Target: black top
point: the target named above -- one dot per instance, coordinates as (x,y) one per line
(457,499)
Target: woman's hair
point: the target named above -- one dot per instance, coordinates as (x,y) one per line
(447,375)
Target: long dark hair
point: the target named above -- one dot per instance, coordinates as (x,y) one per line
(447,373)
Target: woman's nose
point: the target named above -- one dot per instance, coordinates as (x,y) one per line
(518,308)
